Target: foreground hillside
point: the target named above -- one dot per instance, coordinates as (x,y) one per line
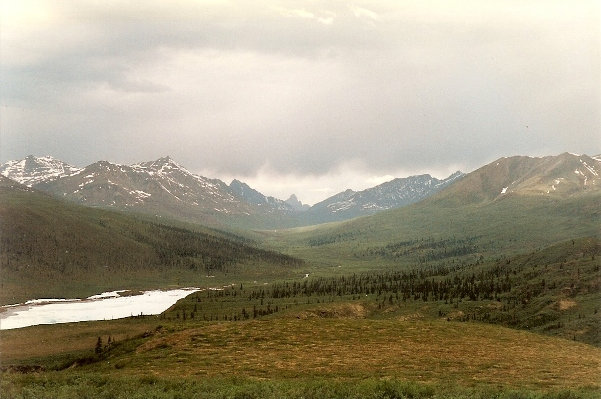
(49,248)
(334,350)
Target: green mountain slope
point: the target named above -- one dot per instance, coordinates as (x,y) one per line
(52,248)
(558,176)
(471,218)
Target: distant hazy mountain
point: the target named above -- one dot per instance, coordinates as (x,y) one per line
(296,204)
(393,194)
(33,170)
(252,196)
(165,188)
(552,176)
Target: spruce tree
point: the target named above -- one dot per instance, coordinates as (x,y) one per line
(98,348)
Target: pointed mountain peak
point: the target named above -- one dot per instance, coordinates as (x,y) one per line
(296,204)
(103,165)
(244,191)
(453,176)
(161,165)
(160,162)
(165,160)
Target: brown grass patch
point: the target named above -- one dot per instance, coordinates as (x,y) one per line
(468,354)
(565,304)
(337,311)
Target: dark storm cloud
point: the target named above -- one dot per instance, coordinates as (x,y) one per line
(287,88)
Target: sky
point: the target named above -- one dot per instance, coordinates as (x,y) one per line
(306,97)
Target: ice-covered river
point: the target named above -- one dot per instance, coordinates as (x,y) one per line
(105,306)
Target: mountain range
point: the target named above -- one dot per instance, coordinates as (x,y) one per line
(166,189)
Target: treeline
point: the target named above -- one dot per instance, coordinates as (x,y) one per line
(554,291)
(331,238)
(439,283)
(424,250)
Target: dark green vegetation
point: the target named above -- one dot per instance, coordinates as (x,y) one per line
(49,248)
(468,223)
(555,291)
(101,386)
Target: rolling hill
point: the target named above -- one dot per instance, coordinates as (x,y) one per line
(50,247)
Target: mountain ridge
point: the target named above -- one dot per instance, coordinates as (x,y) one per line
(555,176)
(165,188)
(395,193)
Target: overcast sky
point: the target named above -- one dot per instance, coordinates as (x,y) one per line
(305,97)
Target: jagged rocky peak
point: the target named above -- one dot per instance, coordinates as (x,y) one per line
(103,165)
(455,175)
(296,204)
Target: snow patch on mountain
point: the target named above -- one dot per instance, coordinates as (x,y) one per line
(33,170)
(392,194)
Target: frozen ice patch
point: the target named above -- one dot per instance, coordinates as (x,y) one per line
(98,307)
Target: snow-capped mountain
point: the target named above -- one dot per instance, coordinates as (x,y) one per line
(160,186)
(393,194)
(33,170)
(165,188)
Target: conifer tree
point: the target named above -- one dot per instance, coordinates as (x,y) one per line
(98,348)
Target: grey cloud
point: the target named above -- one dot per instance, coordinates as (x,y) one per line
(304,87)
